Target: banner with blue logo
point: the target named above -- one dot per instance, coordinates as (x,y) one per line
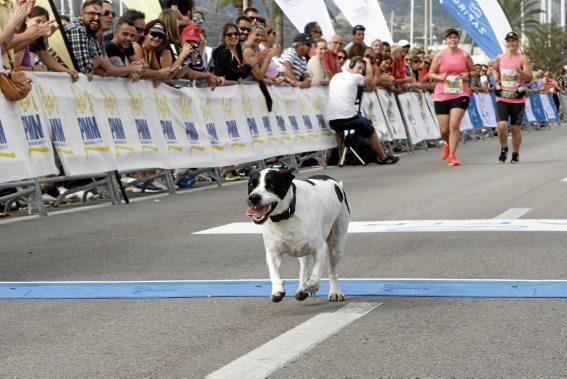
(474,114)
(534,108)
(483,20)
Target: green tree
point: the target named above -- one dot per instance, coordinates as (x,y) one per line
(547,47)
(513,11)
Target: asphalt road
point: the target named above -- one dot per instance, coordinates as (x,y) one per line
(400,337)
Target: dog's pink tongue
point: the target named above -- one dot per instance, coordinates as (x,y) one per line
(256,212)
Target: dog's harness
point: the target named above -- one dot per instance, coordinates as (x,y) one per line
(289,212)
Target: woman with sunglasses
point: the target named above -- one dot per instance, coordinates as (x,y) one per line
(341,58)
(227,57)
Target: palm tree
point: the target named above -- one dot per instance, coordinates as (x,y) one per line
(525,19)
(547,46)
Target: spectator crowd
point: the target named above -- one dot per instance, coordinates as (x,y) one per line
(174,46)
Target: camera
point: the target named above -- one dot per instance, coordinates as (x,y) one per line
(194,45)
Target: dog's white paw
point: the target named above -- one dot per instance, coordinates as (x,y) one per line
(336,296)
(278,296)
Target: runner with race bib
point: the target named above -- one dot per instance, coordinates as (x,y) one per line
(511,70)
(451,68)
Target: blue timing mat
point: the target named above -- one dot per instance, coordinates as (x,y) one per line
(262,288)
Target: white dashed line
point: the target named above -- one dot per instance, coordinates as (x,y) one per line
(513,213)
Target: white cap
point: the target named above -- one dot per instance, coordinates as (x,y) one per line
(403,42)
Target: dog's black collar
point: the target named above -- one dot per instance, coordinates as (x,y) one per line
(289,212)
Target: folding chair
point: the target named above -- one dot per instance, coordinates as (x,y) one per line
(350,136)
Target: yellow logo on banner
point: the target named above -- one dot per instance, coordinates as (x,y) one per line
(317,104)
(28,102)
(247,105)
(303,106)
(206,112)
(162,107)
(289,105)
(83,102)
(227,107)
(196,147)
(38,150)
(109,103)
(137,104)
(49,100)
(64,151)
(185,104)
(8,155)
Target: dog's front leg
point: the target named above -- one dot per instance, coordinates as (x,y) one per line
(274,260)
(314,281)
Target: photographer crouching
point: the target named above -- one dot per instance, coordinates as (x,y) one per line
(345,89)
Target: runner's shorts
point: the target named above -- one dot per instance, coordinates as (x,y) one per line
(361,124)
(444,107)
(512,112)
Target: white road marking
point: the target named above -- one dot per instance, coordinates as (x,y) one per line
(414,226)
(513,213)
(273,355)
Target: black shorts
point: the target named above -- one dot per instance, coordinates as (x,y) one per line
(444,107)
(361,124)
(512,112)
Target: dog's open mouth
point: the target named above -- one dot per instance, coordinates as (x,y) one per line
(260,213)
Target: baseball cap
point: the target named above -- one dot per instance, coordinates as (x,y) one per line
(511,35)
(158,28)
(191,32)
(358,27)
(451,31)
(403,43)
(303,38)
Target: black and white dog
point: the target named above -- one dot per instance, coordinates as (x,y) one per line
(307,219)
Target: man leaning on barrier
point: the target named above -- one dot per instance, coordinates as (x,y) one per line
(342,110)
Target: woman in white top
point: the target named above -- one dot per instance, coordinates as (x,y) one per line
(318,73)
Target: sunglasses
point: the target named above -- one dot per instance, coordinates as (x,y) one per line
(341,57)
(233,34)
(245,29)
(139,30)
(317,31)
(157,35)
(198,20)
(337,42)
(260,20)
(94,14)
(109,13)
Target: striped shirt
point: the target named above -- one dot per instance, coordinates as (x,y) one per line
(298,65)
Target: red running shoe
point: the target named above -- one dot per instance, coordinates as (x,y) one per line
(445,151)
(453,160)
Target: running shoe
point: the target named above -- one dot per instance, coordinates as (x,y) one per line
(445,151)
(503,154)
(453,160)
(515,158)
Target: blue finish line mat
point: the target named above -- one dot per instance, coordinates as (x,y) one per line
(482,288)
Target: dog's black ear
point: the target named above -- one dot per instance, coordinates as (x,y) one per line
(288,174)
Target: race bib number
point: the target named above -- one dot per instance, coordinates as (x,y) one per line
(453,85)
(509,79)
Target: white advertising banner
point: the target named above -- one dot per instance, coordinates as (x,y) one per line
(466,123)
(371,110)
(301,12)
(319,98)
(485,107)
(121,107)
(287,110)
(191,110)
(412,117)
(74,128)
(429,121)
(392,114)
(368,14)
(25,146)
(229,131)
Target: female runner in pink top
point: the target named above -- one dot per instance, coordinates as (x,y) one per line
(511,70)
(451,68)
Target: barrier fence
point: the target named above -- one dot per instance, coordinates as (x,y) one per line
(111,124)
